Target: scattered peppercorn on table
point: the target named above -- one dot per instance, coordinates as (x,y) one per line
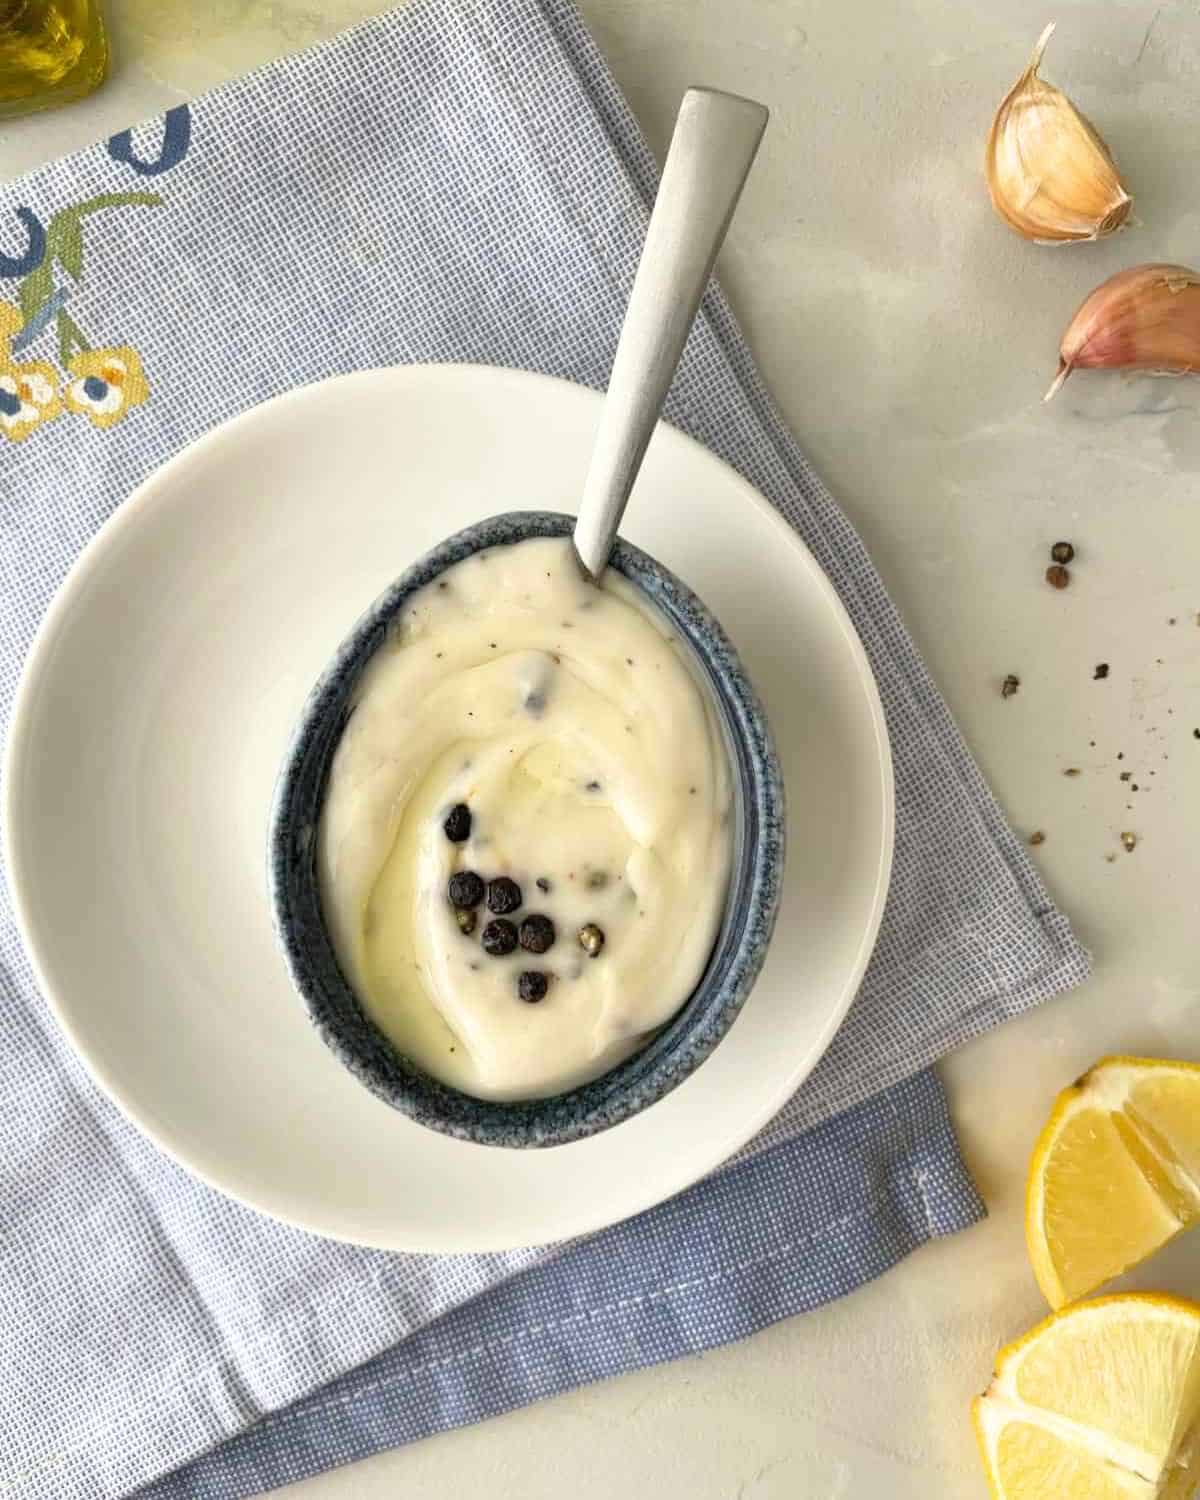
(909,336)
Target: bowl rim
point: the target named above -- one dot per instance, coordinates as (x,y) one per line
(692,1033)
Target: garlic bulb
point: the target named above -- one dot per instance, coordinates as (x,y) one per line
(1050,175)
(1146,318)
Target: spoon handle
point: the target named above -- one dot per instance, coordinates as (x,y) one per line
(712,149)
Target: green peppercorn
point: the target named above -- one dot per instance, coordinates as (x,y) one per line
(591,939)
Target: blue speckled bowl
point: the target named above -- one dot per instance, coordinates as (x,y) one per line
(695,1030)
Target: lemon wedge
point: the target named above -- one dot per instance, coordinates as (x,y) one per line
(1115,1173)
(1099,1402)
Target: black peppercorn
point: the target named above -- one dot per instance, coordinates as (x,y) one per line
(1010,686)
(1062,552)
(532,986)
(499,938)
(503,895)
(457,826)
(465,889)
(536,934)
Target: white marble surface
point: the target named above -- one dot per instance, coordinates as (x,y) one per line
(908,336)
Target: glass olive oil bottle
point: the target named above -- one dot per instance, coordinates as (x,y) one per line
(51,51)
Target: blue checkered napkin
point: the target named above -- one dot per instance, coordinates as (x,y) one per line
(459,180)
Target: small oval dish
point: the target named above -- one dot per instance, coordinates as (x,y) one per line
(686,1040)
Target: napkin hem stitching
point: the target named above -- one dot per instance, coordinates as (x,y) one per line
(622,1305)
(466,1356)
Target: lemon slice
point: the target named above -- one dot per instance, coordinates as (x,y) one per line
(1099,1402)
(1115,1173)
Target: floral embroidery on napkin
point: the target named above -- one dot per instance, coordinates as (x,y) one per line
(28,397)
(107,382)
(103,384)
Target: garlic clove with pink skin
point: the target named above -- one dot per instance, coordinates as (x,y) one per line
(1050,174)
(1146,318)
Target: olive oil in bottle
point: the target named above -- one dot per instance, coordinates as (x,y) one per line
(51,51)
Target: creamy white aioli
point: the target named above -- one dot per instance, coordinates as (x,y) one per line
(578,732)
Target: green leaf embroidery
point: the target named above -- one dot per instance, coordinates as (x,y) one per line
(117,200)
(64,243)
(70,338)
(35,288)
(64,237)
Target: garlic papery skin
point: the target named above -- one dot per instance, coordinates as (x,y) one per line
(1146,318)
(1051,176)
